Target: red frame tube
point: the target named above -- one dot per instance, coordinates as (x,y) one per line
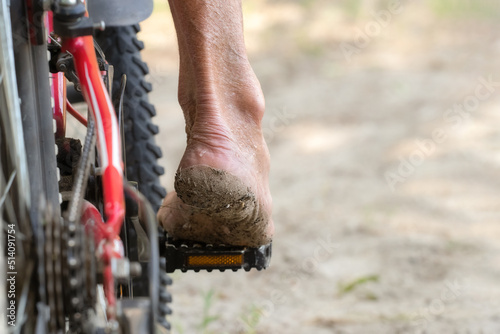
(79,117)
(109,148)
(108,136)
(57,89)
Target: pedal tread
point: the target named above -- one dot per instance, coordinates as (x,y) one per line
(177,253)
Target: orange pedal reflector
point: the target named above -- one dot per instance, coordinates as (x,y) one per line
(215,260)
(190,255)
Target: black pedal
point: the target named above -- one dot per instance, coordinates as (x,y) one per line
(190,255)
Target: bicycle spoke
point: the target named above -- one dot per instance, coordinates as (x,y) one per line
(7,188)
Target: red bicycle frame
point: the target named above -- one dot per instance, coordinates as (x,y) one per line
(108,146)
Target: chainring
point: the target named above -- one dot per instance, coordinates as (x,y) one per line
(70,253)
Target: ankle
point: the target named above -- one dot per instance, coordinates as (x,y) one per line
(236,93)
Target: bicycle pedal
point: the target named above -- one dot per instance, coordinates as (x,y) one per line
(190,255)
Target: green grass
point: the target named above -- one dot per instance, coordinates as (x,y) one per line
(207,317)
(352,285)
(466,8)
(177,326)
(352,7)
(251,319)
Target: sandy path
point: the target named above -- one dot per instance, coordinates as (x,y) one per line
(428,249)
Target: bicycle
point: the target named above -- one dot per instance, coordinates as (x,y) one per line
(71,227)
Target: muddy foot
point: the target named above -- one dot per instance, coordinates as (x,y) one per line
(222,187)
(216,207)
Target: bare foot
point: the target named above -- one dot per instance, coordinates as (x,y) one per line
(221,188)
(222,194)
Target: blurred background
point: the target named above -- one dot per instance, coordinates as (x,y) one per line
(382,121)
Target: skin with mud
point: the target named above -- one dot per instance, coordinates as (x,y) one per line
(215,206)
(384,169)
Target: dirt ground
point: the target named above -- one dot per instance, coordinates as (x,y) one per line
(382,124)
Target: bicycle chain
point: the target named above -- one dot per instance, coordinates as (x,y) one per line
(69,249)
(79,266)
(78,277)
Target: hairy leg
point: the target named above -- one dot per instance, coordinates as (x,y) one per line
(222,188)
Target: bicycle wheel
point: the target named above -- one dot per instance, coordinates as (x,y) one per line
(122,50)
(14,201)
(27,152)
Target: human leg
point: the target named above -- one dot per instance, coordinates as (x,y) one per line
(222,188)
